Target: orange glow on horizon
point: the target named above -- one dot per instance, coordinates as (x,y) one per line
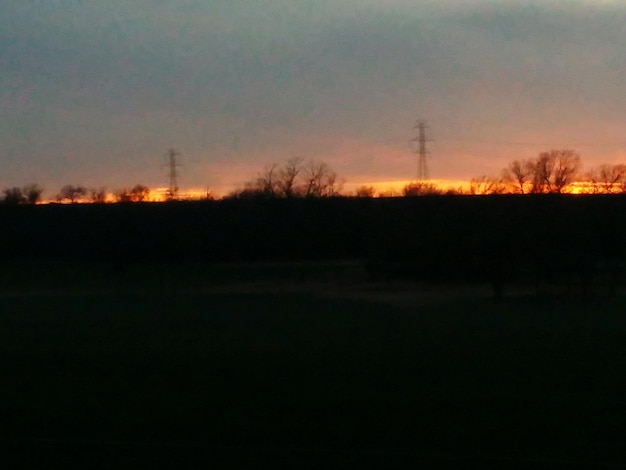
(387,188)
(394,187)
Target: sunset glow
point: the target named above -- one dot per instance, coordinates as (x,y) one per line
(95,96)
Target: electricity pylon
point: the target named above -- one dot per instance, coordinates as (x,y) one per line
(420,140)
(172,191)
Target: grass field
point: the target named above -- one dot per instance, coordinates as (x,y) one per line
(290,376)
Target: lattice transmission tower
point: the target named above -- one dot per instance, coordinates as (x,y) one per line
(172,165)
(418,143)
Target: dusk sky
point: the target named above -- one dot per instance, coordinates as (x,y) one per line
(94,92)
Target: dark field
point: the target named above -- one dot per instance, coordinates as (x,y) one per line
(291,374)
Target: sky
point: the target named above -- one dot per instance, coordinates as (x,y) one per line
(94,92)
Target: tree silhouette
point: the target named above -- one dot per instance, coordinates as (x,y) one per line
(32,193)
(319,180)
(98,195)
(517,175)
(266,181)
(607,179)
(71,193)
(13,196)
(139,193)
(122,195)
(420,188)
(552,171)
(486,185)
(365,191)
(294,179)
(565,168)
(288,175)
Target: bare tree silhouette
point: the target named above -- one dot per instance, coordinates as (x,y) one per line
(98,195)
(30,194)
(486,185)
(550,172)
(266,181)
(420,188)
(294,179)
(139,193)
(365,191)
(553,171)
(319,180)
(607,179)
(517,175)
(288,175)
(71,193)
(13,196)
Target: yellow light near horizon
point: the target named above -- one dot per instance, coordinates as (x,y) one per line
(385,188)
(395,187)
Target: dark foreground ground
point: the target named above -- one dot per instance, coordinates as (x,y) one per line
(130,375)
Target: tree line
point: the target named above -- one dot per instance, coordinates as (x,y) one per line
(555,171)
(32,194)
(294,178)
